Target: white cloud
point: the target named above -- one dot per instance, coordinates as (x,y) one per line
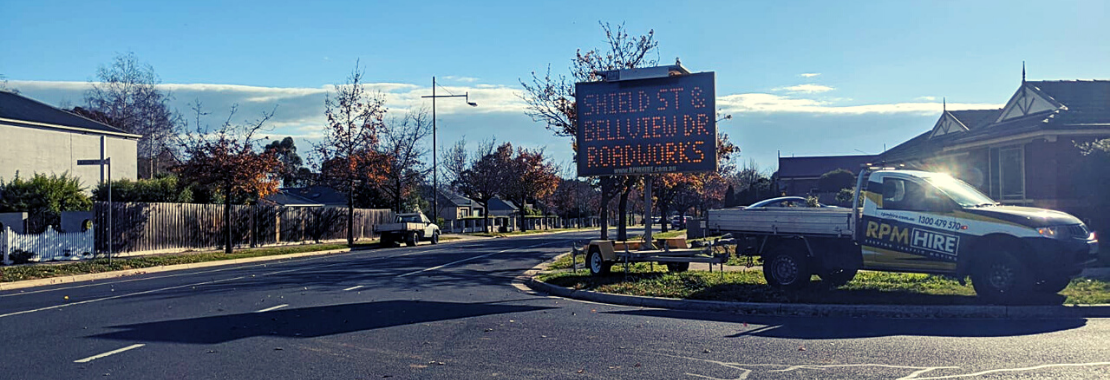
(806,88)
(808,75)
(771,103)
(461,79)
(926,98)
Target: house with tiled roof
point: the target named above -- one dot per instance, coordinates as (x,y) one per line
(799,175)
(39,138)
(1024,153)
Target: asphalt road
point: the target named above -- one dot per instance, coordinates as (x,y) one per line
(450,312)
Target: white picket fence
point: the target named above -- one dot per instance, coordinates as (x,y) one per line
(48,246)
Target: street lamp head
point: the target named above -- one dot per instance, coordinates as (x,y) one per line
(472,104)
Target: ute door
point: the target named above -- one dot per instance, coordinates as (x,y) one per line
(910,227)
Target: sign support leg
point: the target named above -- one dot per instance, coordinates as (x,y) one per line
(647,212)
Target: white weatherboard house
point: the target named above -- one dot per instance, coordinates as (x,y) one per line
(38,138)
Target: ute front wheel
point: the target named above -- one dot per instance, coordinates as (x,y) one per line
(1001,279)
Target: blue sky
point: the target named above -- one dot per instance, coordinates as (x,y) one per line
(883,65)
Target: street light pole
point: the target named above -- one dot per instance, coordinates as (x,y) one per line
(435,153)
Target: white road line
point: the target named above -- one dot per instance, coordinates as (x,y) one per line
(272,308)
(352,288)
(112,352)
(475,257)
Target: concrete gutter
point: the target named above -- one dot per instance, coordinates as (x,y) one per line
(819,310)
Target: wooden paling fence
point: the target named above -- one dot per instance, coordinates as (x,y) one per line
(174,227)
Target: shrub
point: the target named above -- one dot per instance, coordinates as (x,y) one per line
(160,189)
(43,196)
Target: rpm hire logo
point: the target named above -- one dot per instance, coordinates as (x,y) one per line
(934,241)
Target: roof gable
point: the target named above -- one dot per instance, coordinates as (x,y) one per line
(947,124)
(1028,100)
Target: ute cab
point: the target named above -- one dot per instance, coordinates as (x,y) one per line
(916,221)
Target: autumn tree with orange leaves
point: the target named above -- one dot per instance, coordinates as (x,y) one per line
(348,154)
(230,160)
(532,176)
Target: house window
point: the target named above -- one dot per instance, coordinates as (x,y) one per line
(1008,173)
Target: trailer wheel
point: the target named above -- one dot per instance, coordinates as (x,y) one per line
(1053,284)
(435,237)
(678,267)
(787,268)
(1001,279)
(598,265)
(412,239)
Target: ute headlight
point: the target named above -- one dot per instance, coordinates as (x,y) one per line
(1050,232)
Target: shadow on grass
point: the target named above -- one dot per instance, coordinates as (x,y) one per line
(700,288)
(306,322)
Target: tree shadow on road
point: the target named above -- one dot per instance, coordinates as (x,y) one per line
(848,328)
(306,322)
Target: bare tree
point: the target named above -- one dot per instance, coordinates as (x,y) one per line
(348,151)
(231,161)
(486,175)
(453,162)
(550,99)
(401,146)
(126,94)
(4,85)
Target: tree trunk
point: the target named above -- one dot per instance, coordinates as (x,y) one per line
(227,219)
(351,213)
(485,216)
(523,225)
(604,220)
(663,216)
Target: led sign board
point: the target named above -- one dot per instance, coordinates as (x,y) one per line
(646,126)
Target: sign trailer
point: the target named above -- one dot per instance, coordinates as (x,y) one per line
(647,121)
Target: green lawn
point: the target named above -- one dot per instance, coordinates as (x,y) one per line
(47,270)
(749,286)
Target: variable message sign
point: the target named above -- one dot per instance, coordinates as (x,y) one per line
(646,126)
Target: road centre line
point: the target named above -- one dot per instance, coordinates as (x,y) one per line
(352,288)
(112,352)
(272,308)
(473,258)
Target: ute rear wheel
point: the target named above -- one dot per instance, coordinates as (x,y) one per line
(787,268)
(1001,279)
(597,264)
(411,239)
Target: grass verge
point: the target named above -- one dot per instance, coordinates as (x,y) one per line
(885,288)
(47,270)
